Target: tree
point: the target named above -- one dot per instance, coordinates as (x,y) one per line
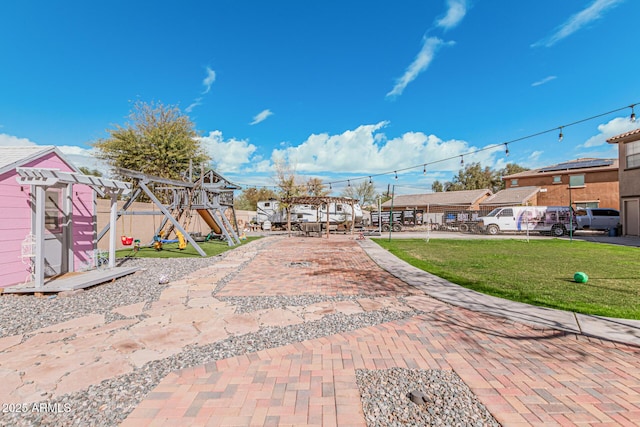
(85,170)
(437,186)
(474,177)
(364,193)
(315,187)
(286,179)
(159,140)
(249,198)
(510,169)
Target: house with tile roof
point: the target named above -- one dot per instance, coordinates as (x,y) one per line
(629,180)
(581,183)
(68,239)
(436,208)
(515,196)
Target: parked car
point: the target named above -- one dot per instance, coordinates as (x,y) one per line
(557,220)
(597,218)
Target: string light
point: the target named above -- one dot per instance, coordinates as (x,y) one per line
(424,169)
(506,149)
(370,181)
(632,118)
(348,183)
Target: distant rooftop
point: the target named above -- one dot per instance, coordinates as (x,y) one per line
(578,164)
(584,164)
(511,196)
(625,137)
(465,197)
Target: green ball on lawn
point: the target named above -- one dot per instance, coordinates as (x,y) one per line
(580,277)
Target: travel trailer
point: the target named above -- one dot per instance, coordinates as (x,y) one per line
(557,220)
(270,212)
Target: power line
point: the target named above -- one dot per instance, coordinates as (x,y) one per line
(505,145)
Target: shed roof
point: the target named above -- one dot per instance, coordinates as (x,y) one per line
(12,157)
(465,197)
(511,196)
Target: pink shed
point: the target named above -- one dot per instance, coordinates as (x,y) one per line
(69,242)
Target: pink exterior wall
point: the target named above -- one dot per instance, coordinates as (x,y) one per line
(15,221)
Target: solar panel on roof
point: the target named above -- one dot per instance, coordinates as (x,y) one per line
(578,165)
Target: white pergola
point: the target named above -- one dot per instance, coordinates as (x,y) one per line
(42,178)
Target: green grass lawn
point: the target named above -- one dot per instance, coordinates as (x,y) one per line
(170,250)
(538,272)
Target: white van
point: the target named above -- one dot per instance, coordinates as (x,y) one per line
(557,220)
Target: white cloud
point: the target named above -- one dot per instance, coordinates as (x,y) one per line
(228,155)
(429,47)
(194,104)
(83,157)
(261,117)
(208,81)
(607,130)
(10,140)
(543,81)
(578,21)
(456,11)
(366,150)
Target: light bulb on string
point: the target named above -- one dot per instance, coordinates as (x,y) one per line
(370,182)
(506,149)
(424,169)
(396,172)
(633,114)
(348,183)
(560,135)
(330,187)
(461,160)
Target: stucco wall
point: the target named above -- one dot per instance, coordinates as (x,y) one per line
(629,178)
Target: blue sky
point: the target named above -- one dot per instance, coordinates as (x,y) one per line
(343,90)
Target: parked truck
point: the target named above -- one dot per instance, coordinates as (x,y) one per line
(401,218)
(270,212)
(557,220)
(597,218)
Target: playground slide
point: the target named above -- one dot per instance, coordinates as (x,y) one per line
(206,216)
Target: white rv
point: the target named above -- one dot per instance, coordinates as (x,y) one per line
(557,220)
(339,213)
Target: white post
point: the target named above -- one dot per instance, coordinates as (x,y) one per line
(68,229)
(379,215)
(353,216)
(38,275)
(113,217)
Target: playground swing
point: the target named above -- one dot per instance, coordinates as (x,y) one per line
(127,240)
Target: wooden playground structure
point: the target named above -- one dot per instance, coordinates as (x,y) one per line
(210,196)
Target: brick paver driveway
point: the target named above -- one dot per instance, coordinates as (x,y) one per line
(523,375)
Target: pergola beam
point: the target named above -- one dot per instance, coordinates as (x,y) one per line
(42,178)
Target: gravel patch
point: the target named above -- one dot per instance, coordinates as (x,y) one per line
(142,286)
(386,397)
(109,403)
